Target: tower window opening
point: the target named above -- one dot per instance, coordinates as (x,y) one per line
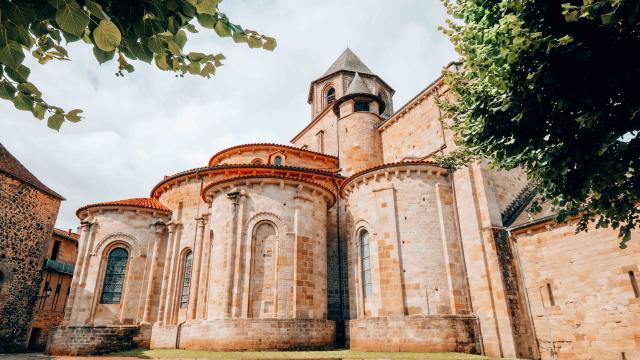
(331,96)
(361,106)
(552,301)
(634,284)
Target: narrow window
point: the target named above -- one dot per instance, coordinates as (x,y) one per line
(366,263)
(277,160)
(114,276)
(331,96)
(56,250)
(1,281)
(382,97)
(634,284)
(186,279)
(551,299)
(320,140)
(361,106)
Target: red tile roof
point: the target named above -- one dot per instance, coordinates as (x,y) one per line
(68,234)
(281,146)
(146,203)
(12,167)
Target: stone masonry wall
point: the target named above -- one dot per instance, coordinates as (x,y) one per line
(93,340)
(595,313)
(435,333)
(27,217)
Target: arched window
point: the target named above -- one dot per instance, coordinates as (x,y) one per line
(277,160)
(256,161)
(330,96)
(114,275)
(187,264)
(366,263)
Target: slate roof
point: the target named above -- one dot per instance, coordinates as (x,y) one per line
(12,167)
(358,86)
(350,62)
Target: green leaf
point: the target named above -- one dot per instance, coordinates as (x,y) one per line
(181,38)
(194,68)
(571,16)
(55,121)
(222,28)
(96,9)
(240,37)
(269,43)
(23,102)
(74,115)
(607,19)
(107,36)
(11,54)
(195,56)
(207,6)
(102,56)
(174,48)
(161,62)
(7,90)
(39,110)
(71,18)
(19,74)
(208,70)
(207,21)
(155,45)
(191,28)
(254,42)
(29,89)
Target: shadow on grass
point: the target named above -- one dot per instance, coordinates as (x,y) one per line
(290,355)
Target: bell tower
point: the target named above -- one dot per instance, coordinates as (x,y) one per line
(333,84)
(358,112)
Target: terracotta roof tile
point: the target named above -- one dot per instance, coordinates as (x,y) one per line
(288,147)
(66,234)
(146,203)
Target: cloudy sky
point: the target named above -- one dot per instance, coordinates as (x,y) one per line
(150,124)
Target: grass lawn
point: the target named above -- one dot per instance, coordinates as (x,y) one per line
(332,354)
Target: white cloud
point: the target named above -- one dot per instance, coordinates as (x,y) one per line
(150,124)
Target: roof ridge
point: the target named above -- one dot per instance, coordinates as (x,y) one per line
(348,61)
(11,166)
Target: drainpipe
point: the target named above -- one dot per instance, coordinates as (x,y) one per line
(339,250)
(178,330)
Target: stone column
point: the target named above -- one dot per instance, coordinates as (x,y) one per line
(85,227)
(238,210)
(165,272)
(159,231)
(169,302)
(197,263)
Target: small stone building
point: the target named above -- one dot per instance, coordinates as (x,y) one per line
(351,236)
(28,212)
(54,287)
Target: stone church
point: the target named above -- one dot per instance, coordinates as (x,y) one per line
(350,236)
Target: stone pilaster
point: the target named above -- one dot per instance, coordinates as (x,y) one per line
(159,228)
(171,227)
(85,227)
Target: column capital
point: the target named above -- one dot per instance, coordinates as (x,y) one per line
(159,226)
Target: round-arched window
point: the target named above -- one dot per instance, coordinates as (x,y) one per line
(187,265)
(256,161)
(330,96)
(366,263)
(277,160)
(114,276)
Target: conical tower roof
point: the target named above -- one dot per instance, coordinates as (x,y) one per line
(358,86)
(348,61)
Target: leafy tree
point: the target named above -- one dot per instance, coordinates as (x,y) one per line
(554,88)
(146,30)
